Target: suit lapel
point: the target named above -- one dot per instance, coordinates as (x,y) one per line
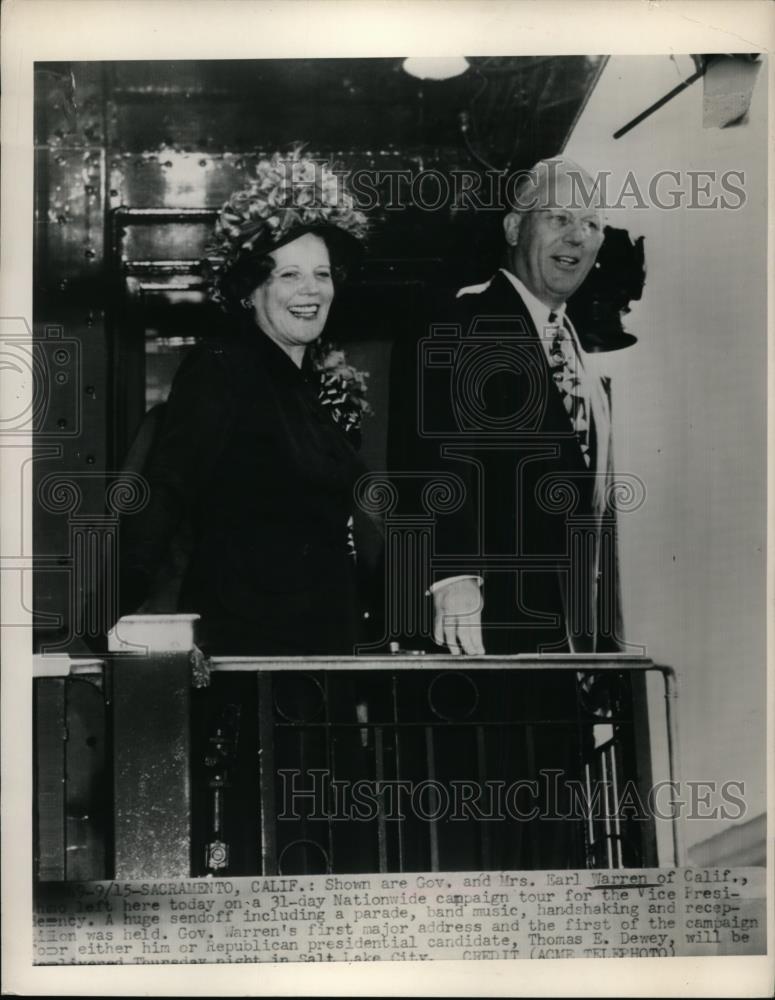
(503,302)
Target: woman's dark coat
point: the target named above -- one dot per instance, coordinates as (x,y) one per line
(255,467)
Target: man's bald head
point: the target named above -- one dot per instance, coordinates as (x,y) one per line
(556,182)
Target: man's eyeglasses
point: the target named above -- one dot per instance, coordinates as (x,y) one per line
(560,221)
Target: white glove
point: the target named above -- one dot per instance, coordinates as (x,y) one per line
(457,616)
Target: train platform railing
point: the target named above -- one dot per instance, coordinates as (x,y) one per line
(155,762)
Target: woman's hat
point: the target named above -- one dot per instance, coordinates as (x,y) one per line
(290,195)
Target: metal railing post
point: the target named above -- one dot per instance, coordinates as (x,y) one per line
(150,692)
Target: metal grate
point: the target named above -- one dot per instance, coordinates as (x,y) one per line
(439,771)
(383,764)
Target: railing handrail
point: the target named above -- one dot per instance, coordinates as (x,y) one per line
(63,665)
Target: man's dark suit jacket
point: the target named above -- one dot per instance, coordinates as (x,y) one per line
(250,459)
(529,524)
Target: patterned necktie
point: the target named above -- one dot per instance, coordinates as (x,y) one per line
(564,364)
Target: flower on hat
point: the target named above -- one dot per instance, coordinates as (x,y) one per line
(288,190)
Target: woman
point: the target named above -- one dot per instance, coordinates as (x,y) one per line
(255,451)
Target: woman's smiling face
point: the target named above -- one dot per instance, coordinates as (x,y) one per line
(291,306)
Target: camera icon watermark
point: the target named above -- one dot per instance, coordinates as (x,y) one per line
(459,371)
(41,375)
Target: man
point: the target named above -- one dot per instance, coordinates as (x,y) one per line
(528,558)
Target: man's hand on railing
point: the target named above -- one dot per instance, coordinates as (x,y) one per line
(457,616)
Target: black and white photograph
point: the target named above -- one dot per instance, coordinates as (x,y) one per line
(384,433)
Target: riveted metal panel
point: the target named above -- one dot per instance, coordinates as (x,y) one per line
(69,323)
